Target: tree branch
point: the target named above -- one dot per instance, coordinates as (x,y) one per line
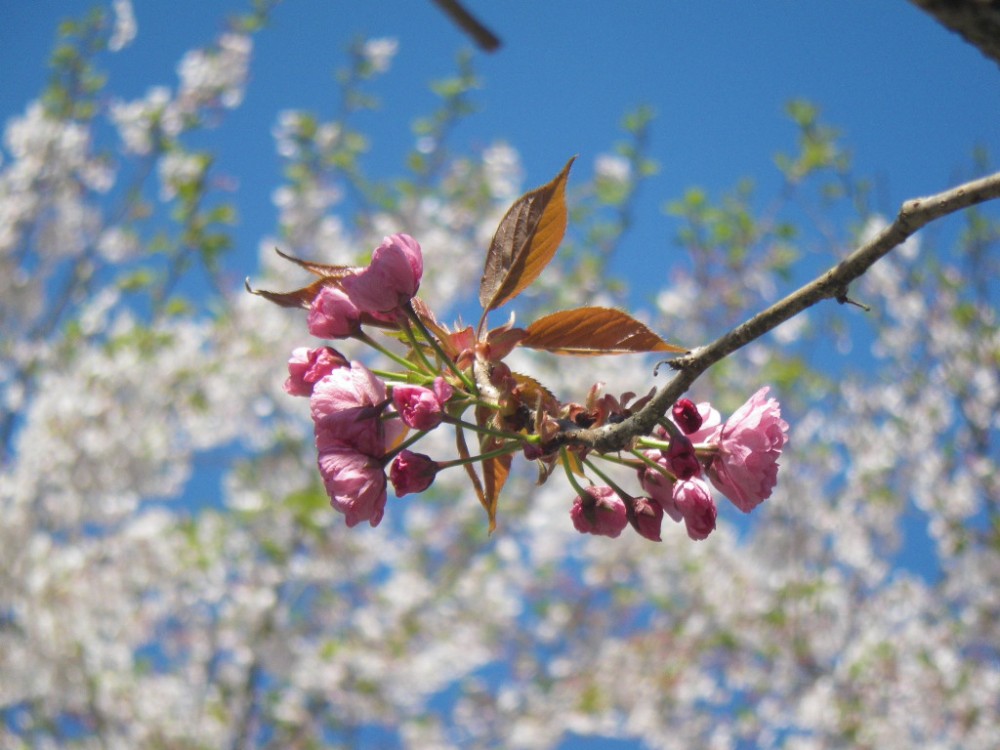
(978,21)
(833,284)
(468,23)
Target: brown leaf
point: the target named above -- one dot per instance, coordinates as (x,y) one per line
(477,485)
(495,473)
(594,330)
(299,298)
(320,269)
(495,470)
(526,240)
(534,394)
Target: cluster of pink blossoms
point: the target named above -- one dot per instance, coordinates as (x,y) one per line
(739,457)
(363,420)
(356,419)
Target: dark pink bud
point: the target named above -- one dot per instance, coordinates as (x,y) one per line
(307,366)
(599,511)
(412,472)
(681,458)
(647,518)
(686,416)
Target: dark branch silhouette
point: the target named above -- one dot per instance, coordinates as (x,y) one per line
(468,23)
(978,21)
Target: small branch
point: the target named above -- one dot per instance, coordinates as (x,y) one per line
(468,23)
(833,284)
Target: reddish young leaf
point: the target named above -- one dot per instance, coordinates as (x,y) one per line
(299,298)
(525,242)
(495,470)
(477,485)
(536,395)
(594,330)
(320,269)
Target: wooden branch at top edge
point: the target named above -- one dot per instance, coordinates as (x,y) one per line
(468,23)
(913,215)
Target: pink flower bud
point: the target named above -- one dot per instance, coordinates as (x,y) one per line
(694,500)
(307,366)
(412,472)
(745,469)
(392,277)
(421,408)
(647,518)
(686,415)
(332,314)
(681,458)
(599,511)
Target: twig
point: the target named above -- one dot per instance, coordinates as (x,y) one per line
(833,284)
(482,36)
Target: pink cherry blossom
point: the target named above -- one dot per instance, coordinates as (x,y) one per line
(412,472)
(354,481)
(422,408)
(694,500)
(347,403)
(647,518)
(333,315)
(745,469)
(307,366)
(600,512)
(392,277)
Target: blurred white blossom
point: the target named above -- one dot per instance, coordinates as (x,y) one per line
(125,28)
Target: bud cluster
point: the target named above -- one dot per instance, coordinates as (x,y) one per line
(366,421)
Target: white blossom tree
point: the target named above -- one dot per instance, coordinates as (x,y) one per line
(140,607)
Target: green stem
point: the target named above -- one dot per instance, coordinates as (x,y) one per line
(415,345)
(651,442)
(654,465)
(607,480)
(500,434)
(442,355)
(481,457)
(622,461)
(564,455)
(405,444)
(366,339)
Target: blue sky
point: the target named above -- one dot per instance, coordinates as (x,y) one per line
(911,98)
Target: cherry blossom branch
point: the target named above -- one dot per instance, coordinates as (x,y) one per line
(913,215)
